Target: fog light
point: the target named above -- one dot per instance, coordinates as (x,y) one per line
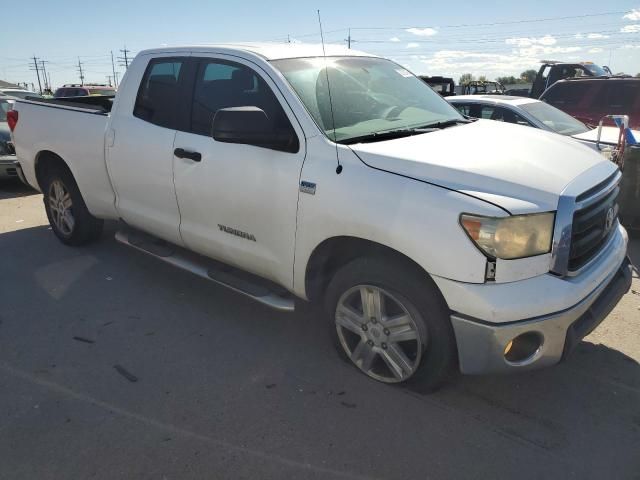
(523,347)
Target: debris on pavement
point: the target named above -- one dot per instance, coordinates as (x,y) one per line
(126,374)
(82,339)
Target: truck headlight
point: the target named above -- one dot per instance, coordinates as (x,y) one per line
(517,236)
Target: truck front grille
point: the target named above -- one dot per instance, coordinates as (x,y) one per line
(593,223)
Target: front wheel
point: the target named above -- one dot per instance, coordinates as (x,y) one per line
(68,215)
(391,323)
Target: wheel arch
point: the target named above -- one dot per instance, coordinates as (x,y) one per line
(44,161)
(334,252)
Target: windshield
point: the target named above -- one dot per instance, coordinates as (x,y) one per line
(555,119)
(368,95)
(596,70)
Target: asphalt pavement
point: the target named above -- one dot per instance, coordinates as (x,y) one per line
(115,365)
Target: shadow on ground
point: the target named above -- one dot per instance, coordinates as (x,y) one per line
(226,385)
(13,188)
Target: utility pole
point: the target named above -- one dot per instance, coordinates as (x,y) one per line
(349,39)
(109,79)
(35,63)
(50,84)
(124,59)
(113,69)
(47,86)
(80,70)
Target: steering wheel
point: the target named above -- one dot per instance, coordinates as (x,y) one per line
(393,112)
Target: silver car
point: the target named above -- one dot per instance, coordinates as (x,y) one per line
(8,168)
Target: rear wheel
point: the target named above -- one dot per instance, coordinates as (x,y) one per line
(68,215)
(391,322)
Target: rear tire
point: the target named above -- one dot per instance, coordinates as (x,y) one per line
(390,320)
(68,215)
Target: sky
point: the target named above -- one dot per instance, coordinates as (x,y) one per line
(446,38)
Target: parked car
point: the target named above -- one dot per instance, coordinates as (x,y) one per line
(590,99)
(77,90)
(532,113)
(7,152)
(19,93)
(429,238)
(482,87)
(445,86)
(551,71)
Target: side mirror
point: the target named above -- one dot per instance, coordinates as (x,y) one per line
(252,126)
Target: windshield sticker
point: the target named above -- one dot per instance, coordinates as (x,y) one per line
(404,73)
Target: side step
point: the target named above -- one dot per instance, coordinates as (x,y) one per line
(260,290)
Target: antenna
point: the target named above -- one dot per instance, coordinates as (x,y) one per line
(326,72)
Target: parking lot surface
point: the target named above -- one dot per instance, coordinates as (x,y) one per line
(115,365)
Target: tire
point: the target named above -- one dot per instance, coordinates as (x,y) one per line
(68,215)
(411,341)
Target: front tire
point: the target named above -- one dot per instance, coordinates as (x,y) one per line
(68,215)
(391,322)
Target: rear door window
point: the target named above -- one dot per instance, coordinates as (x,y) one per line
(161,97)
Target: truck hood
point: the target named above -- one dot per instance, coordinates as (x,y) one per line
(520,169)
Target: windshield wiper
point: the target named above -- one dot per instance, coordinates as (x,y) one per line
(386,135)
(446,123)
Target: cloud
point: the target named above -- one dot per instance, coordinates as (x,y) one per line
(422,32)
(528,41)
(633,15)
(630,29)
(596,36)
(596,50)
(457,62)
(579,36)
(629,47)
(394,39)
(413,45)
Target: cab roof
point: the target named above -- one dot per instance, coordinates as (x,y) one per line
(493,99)
(268,50)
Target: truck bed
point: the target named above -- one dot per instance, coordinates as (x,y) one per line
(74,131)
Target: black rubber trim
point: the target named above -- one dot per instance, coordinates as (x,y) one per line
(428,183)
(598,311)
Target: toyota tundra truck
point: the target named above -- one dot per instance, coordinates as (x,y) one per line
(433,242)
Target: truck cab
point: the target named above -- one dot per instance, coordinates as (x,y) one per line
(551,71)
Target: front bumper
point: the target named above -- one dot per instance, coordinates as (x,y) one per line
(481,344)
(8,166)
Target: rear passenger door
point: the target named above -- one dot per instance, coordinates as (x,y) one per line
(139,145)
(238,203)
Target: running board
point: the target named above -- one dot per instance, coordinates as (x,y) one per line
(252,286)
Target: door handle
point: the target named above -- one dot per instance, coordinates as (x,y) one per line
(182,153)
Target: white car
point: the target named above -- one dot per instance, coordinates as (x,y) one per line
(433,241)
(19,93)
(533,113)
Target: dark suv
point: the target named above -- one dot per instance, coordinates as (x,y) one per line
(590,99)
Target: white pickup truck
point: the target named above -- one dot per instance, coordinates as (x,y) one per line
(434,242)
